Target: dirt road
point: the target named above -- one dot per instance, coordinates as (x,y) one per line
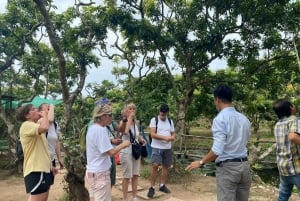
(202,188)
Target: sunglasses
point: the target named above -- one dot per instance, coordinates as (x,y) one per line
(109,114)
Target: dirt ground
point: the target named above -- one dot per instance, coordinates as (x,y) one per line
(201,188)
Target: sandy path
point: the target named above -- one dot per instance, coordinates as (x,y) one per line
(201,189)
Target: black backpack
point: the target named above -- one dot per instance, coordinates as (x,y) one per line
(19,151)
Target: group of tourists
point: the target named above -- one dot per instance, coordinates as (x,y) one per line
(100,170)
(105,138)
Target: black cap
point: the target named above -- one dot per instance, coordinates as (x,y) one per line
(164,108)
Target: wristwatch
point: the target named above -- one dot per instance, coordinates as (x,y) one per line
(201,163)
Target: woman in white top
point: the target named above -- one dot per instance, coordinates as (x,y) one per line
(98,153)
(52,138)
(130,166)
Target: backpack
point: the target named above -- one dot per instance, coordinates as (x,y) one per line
(156,122)
(19,149)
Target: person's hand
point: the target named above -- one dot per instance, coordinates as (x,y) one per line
(192,166)
(124,114)
(116,141)
(54,171)
(131,114)
(61,164)
(143,142)
(125,143)
(170,138)
(43,113)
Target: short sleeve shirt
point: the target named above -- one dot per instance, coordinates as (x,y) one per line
(35,148)
(97,144)
(164,128)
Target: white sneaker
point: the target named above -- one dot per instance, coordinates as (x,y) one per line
(135,199)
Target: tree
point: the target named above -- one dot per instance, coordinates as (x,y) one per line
(195,33)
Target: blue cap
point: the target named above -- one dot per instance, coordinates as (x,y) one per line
(102,101)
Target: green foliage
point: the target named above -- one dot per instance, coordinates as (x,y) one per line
(149,93)
(145,171)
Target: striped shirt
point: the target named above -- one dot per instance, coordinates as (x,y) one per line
(288,154)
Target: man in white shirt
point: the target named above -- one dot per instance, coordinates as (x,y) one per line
(162,134)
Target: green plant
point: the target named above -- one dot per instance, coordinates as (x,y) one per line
(145,171)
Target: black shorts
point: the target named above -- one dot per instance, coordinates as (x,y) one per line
(51,173)
(37,182)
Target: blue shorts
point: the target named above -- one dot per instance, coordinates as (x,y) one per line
(161,156)
(37,182)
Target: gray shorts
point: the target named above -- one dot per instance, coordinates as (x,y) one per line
(161,156)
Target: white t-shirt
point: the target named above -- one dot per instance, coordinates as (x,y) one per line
(97,144)
(52,138)
(163,128)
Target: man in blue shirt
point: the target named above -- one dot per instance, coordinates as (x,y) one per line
(231,132)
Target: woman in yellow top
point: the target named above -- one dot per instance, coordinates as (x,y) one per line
(37,163)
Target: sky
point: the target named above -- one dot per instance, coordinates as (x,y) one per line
(97,75)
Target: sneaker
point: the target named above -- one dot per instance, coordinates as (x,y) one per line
(135,199)
(164,189)
(151,192)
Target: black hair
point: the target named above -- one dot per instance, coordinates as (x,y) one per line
(23,111)
(164,108)
(282,108)
(224,93)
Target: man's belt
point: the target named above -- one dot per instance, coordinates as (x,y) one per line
(232,160)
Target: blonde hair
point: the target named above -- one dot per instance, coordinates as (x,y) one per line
(130,105)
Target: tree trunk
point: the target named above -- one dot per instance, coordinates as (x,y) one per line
(76,185)
(75,164)
(11,137)
(76,170)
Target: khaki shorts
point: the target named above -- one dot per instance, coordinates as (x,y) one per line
(129,165)
(99,185)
